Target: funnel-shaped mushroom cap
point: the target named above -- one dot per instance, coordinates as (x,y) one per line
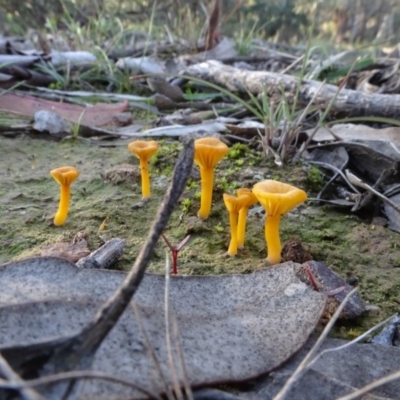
(65,175)
(278,198)
(251,198)
(233,204)
(209,151)
(143,149)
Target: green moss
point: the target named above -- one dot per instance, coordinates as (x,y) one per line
(315,179)
(237,151)
(185,205)
(192,184)
(219,228)
(197,196)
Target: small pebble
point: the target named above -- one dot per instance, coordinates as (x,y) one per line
(256,211)
(372,310)
(258,177)
(352,281)
(139,204)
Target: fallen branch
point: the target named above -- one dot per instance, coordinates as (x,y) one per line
(350,103)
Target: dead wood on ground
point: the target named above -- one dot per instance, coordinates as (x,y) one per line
(350,103)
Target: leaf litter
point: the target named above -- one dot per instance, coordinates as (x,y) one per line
(93,199)
(329,234)
(230,325)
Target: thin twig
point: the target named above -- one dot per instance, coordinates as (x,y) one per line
(331,180)
(186,384)
(371,386)
(151,351)
(174,375)
(14,380)
(358,182)
(333,168)
(22,385)
(354,341)
(305,363)
(293,64)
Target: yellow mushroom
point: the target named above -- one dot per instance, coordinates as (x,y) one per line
(144,150)
(64,176)
(233,205)
(208,152)
(277,198)
(251,199)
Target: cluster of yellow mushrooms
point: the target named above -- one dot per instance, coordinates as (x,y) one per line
(277,198)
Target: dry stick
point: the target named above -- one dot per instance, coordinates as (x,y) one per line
(151,351)
(23,385)
(304,364)
(337,170)
(331,180)
(77,351)
(293,64)
(174,376)
(94,333)
(13,379)
(354,341)
(104,256)
(385,174)
(186,384)
(371,386)
(358,182)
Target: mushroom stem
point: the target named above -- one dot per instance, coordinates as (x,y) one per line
(232,250)
(207,182)
(144,172)
(273,239)
(62,213)
(241,227)
(144,150)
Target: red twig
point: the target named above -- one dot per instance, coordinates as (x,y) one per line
(312,279)
(175,250)
(329,293)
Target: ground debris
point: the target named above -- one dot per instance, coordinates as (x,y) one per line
(122,173)
(70,251)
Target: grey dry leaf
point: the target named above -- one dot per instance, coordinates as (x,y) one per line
(163,87)
(335,373)
(232,327)
(354,131)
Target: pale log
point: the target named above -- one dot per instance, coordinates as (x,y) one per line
(349,103)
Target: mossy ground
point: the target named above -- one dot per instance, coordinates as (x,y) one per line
(29,199)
